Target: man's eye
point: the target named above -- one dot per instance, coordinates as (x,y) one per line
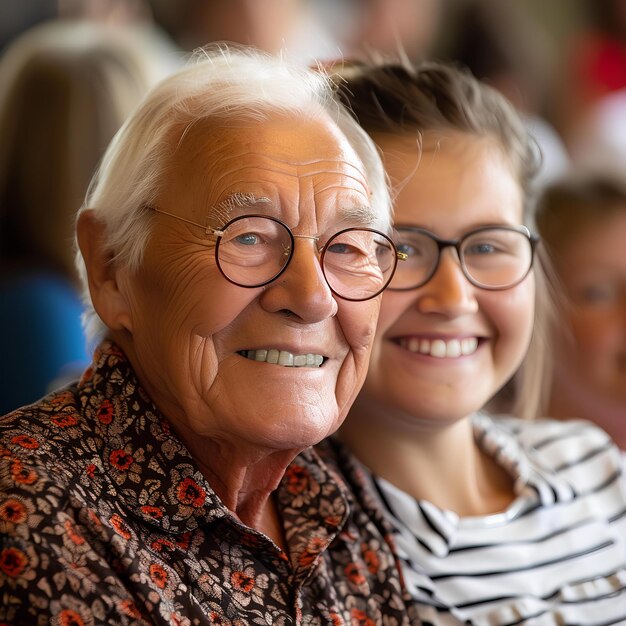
(248,239)
(340,248)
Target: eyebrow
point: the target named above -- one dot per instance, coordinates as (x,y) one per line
(361,213)
(238,201)
(233,202)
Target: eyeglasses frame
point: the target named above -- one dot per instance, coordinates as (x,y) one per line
(533,240)
(219,232)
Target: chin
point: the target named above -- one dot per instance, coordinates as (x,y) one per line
(298,433)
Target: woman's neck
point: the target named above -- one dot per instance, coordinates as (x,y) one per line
(442,465)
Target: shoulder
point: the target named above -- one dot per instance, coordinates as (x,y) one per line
(576,451)
(554,435)
(40,444)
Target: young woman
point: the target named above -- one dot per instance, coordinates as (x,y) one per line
(583,223)
(498,520)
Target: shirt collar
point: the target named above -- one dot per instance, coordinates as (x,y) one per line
(150,471)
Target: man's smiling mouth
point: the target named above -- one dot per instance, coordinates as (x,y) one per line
(282,357)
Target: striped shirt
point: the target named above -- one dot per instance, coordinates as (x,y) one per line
(556,556)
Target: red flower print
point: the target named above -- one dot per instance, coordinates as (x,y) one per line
(90,470)
(128,607)
(70,618)
(183,541)
(121,459)
(105,414)
(353,572)
(25,441)
(64,421)
(372,560)
(119,525)
(21,474)
(332,520)
(158,544)
(336,620)
(13,562)
(165,427)
(13,511)
(73,534)
(190,492)
(94,519)
(152,511)
(158,575)
(297,479)
(242,581)
(360,618)
(62,399)
(312,550)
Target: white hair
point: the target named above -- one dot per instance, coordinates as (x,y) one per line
(219,83)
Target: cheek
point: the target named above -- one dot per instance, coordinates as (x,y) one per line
(393,306)
(357,321)
(513,313)
(174,303)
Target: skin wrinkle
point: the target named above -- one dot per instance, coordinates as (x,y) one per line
(210,393)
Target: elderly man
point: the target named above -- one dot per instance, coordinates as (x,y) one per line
(233,246)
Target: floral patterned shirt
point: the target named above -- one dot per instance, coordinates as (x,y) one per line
(106,519)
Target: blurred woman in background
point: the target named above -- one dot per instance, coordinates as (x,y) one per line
(583,223)
(65,89)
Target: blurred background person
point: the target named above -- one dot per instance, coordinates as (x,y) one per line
(582,221)
(292,27)
(504,45)
(593,66)
(398,28)
(65,89)
(599,144)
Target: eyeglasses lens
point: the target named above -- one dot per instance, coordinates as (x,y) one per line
(493,258)
(357,263)
(254,250)
(497,257)
(421,258)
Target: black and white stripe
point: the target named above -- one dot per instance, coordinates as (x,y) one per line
(557,555)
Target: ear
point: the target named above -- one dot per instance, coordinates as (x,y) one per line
(106,284)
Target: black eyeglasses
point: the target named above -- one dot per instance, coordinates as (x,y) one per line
(491,257)
(254,250)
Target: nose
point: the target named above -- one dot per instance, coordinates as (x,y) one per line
(448,292)
(302,289)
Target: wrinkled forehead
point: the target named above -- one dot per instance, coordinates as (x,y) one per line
(277,166)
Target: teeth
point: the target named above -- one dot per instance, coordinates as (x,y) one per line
(453,349)
(440,348)
(284,358)
(469,345)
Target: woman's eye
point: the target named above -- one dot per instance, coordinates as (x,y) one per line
(406,248)
(481,248)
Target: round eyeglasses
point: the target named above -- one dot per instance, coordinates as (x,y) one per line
(491,257)
(254,250)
